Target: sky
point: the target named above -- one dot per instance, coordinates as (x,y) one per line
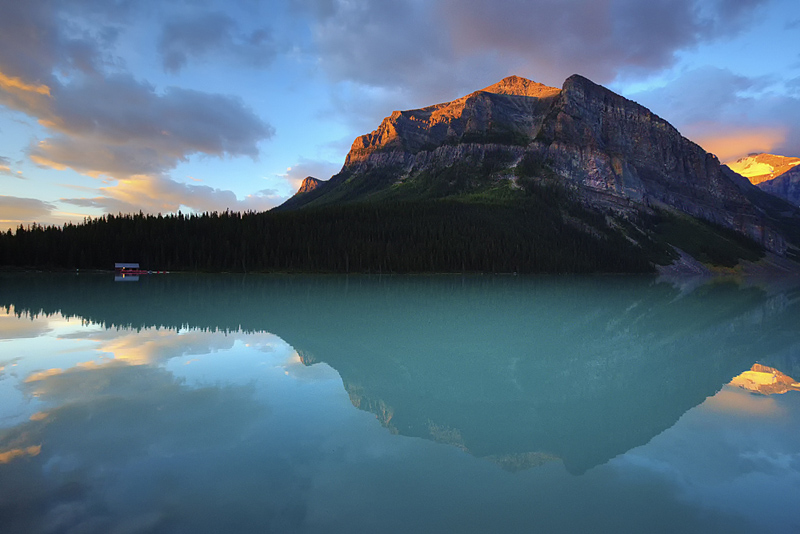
(121,106)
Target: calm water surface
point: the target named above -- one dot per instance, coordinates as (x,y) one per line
(183,403)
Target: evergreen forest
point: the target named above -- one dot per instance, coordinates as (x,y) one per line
(530,235)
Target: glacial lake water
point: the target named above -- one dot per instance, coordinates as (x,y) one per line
(298,404)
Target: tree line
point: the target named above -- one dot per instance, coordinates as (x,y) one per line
(528,236)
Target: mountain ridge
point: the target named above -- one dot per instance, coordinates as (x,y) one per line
(762,167)
(777,175)
(609,153)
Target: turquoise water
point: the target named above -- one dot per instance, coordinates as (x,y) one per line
(182,403)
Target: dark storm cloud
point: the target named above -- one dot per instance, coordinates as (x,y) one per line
(207,34)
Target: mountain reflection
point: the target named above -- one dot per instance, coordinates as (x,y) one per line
(766,381)
(521,371)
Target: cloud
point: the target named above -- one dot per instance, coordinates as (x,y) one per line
(55,65)
(121,127)
(413,53)
(153,346)
(743,461)
(728,114)
(729,142)
(439,44)
(597,39)
(402,47)
(41,40)
(16,210)
(322,170)
(12,328)
(11,454)
(110,427)
(161,194)
(699,95)
(213,33)
(5,169)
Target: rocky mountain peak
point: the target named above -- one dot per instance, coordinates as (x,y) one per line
(519,86)
(309,184)
(765,380)
(515,105)
(762,167)
(777,175)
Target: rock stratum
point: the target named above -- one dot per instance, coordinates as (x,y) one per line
(610,154)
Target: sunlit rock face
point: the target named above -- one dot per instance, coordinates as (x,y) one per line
(765,380)
(511,110)
(777,175)
(309,184)
(759,168)
(611,152)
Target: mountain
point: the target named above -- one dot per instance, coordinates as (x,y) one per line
(765,380)
(298,199)
(516,178)
(778,175)
(309,184)
(762,167)
(617,167)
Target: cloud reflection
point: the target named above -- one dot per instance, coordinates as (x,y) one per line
(731,401)
(12,327)
(133,438)
(155,346)
(726,457)
(11,454)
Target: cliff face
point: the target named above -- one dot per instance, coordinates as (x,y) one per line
(607,144)
(509,112)
(612,153)
(786,186)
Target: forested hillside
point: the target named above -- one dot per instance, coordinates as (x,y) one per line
(526,236)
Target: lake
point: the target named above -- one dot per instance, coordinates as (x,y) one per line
(317,404)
